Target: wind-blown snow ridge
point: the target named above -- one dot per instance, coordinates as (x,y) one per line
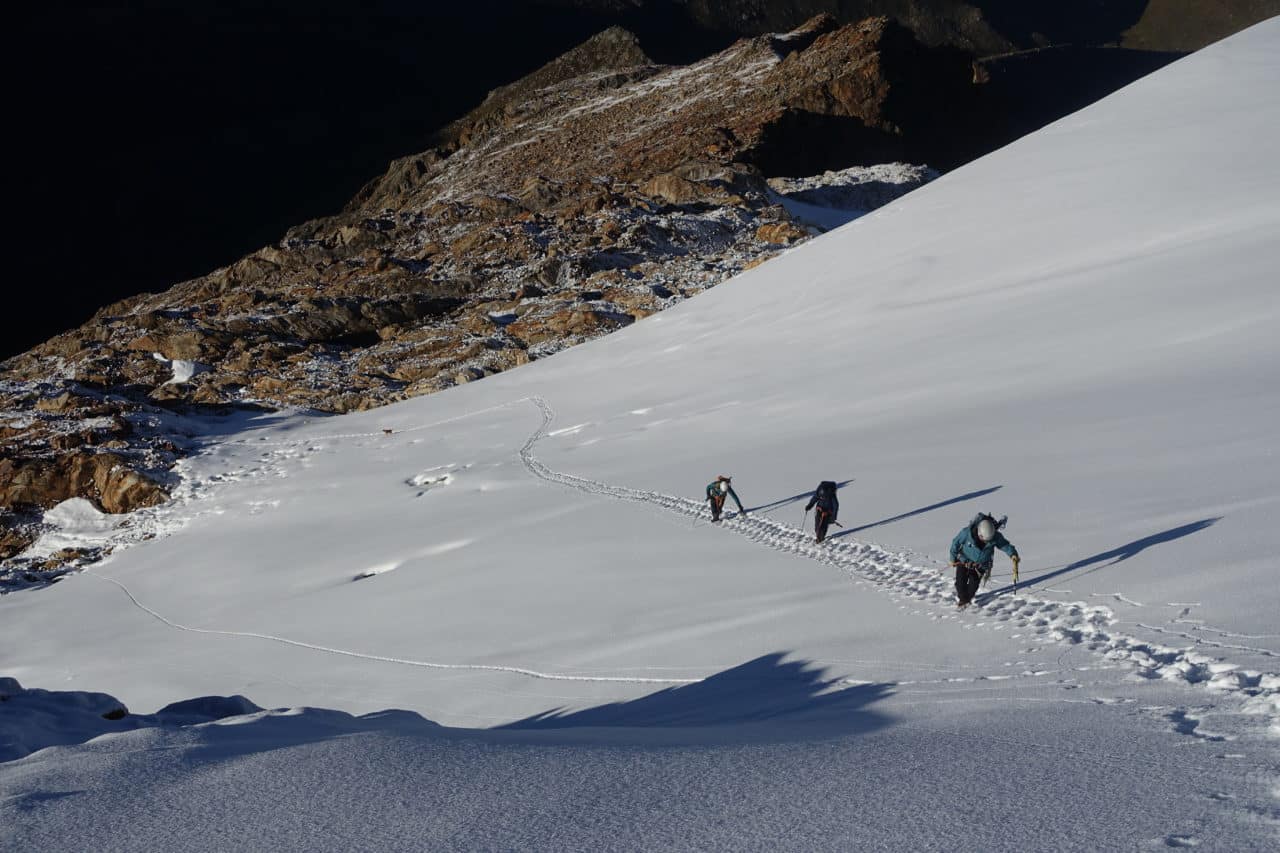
(1071,623)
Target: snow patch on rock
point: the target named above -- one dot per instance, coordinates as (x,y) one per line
(183,369)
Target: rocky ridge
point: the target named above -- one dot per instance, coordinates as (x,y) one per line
(602,189)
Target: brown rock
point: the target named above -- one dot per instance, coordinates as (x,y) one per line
(67,440)
(63,402)
(780,233)
(14,540)
(672,189)
(498,207)
(756,261)
(472,241)
(195,345)
(414,372)
(213,395)
(169,392)
(477,323)
(122,489)
(269,386)
(104,478)
(145,343)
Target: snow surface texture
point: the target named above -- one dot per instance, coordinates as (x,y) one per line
(1077,330)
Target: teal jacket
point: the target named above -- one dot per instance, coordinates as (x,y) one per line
(965,547)
(713,490)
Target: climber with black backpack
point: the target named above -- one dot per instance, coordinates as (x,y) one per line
(824,498)
(973,551)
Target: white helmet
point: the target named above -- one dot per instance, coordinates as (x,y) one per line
(986,530)
(724,485)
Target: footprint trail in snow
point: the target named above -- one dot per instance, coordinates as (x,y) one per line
(900,575)
(1071,623)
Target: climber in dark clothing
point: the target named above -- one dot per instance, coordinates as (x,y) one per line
(717,492)
(824,498)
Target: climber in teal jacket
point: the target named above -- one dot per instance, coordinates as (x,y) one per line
(972,553)
(716,493)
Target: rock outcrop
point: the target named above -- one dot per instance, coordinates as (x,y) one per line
(601,189)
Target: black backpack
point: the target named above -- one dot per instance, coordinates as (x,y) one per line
(998,522)
(825,496)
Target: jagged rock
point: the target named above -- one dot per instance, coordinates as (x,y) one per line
(170,392)
(538,193)
(615,49)
(103,478)
(67,441)
(14,540)
(269,387)
(780,233)
(672,189)
(64,402)
(197,344)
(122,489)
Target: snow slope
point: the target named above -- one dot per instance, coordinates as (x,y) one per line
(1077,330)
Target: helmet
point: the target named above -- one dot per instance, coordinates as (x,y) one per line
(986,530)
(724,484)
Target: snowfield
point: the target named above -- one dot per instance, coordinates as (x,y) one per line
(528,634)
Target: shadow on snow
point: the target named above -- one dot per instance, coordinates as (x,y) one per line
(784,501)
(793,695)
(765,699)
(921,511)
(1117,555)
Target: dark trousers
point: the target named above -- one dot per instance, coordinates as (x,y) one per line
(717,506)
(967,580)
(821,521)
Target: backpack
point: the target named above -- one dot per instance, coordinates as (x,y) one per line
(825,497)
(998,522)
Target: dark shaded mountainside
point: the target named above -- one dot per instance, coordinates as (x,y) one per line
(983,27)
(180,134)
(600,188)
